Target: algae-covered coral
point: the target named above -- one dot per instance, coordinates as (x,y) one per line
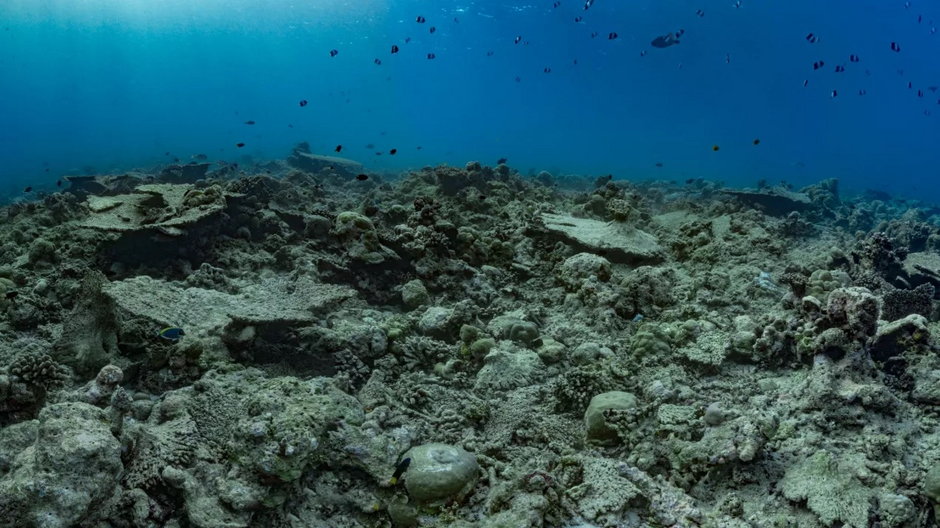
(465,347)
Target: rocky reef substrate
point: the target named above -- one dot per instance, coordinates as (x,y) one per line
(465,347)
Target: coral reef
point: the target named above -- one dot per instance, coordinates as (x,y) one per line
(289,345)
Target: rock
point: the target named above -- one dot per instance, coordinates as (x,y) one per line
(439,471)
(891,338)
(776,202)
(508,367)
(74,465)
(275,299)
(414,294)
(618,242)
(302,159)
(577,269)
(438,322)
(594,421)
(164,208)
(187,173)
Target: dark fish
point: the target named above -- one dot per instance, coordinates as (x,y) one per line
(171,333)
(431,56)
(338,148)
(433,29)
(588,4)
(611,36)
(399,471)
(700,13)
(334,52)
(910,85)
(840,69)
(489,53)
(556,4)
(378,62)
(362,177)
(756,141)
(594,34)
(58,183)
(932,89)
(518,79)
(11,295)
(239,145)
(249,122)
(853,58)
(482,197)
(715,148)
(393,152)
(664,41)
(517,40)
(811,38)
(28,189)
(500,161)
(659,164)
(407,40)
(862,92)
(394,48)
(420,19)
(642,53)
(818,64)
(303,102)
(419,147)
(547,70)
(834,94)
(920,93)
(578,19)
(370,146)
(895,47)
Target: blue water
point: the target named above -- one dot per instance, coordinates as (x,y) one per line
(107,85)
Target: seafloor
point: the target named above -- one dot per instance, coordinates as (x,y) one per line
(527,351)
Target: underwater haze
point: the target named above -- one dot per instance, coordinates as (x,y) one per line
(98,86)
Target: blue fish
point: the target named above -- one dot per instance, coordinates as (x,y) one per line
(171,333)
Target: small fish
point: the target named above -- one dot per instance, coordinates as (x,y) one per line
(862,92)
(700,13)
(370,146)
(588,4)
(834,94)
(431,56)
(664,41)
(737,4)
(303,102)
(715,148)
(727,58)
(171,333)
(594,34)
(756,141)
(895,47)
(517,40)
(393,152)
(853,58)
(249,122)
(334,52)
(547,70)
(433,29)
(659,164)
(399,471)
(910,85)
(394,48)
(556,4)
(420,19)
(419,147)
(378,62)
(840,69)
(818,64)
(611,36)
(28,189)
(407,40)
(489,53)
(338,148)
(518,79)
(362,177)
(500,161)
(932,88)
(578,19)
(58,183)
(920,93)
(812,39)
(239,145)
(642,53)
